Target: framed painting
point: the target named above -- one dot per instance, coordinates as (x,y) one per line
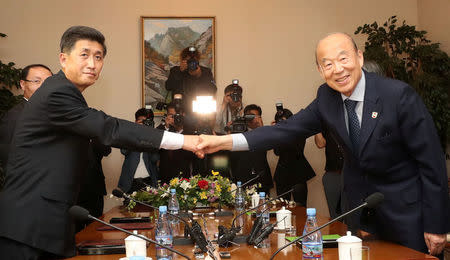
(163,39)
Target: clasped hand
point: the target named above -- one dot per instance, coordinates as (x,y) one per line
(206,144)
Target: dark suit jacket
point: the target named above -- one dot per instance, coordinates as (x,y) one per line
(7,126)
(244,162)
(400,156)
(48,156)
(130,165)
(292,166)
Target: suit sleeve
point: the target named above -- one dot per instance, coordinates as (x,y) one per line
(175,81)
(299,126)
(67,110)
(419,133)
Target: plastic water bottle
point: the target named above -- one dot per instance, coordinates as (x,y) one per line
(174,206)
(240,198)
(264,212)
(263,209)
(163,235)
(312,245)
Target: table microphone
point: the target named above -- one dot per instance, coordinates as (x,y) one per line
(227,235)
(81,213)
(195,231)
(295,188)
(371,202)
(247,182)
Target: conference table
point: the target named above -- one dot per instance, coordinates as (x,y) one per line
(378,249)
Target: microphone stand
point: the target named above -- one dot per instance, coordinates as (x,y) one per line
(176,240)
(231,232)
(136,235)
(319,228)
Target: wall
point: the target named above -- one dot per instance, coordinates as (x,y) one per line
(433,18)
(268,45)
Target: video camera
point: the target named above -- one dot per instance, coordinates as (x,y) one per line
(239,125)
(192,63)
(236,94)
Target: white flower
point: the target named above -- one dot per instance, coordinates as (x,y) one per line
(233,189)
(165,194)
(148,189)
(133,194)
(185,185)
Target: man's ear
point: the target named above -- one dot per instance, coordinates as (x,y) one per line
(62,59)
(360,57)
(22,84)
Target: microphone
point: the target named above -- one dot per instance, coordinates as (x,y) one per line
(295,188)
(370,202)
(195,231)
(227,235)
(81,213)
(247,182)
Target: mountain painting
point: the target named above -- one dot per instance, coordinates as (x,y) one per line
(163,39)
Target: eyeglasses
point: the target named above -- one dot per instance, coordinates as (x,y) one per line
(37,81)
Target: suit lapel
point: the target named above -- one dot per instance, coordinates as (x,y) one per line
(338,119)
(371,111)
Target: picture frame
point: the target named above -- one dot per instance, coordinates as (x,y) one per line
(163,39)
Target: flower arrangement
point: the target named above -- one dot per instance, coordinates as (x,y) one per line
(207,190)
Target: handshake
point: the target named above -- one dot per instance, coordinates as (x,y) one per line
(205,144)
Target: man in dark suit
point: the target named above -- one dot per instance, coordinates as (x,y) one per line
(93,186)
(31,79)
(389,142)
(49,152)
(292,168)
(246,164)
(139,168)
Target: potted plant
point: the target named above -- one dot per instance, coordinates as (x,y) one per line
(405,53)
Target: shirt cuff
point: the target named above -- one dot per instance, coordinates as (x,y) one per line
(172,141)
(239,143)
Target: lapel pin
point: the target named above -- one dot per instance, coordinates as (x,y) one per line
(374,114)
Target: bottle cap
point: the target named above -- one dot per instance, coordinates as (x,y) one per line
(239,183)
(172,191)
(262,194)
(162,209)
(310,211)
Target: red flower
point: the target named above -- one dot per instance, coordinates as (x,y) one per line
(184,179)
(203,184)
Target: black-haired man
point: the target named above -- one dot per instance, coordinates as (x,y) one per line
(139,168)
(49,154)
(31,79)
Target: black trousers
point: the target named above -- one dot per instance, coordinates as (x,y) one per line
(300,197)
(13,250)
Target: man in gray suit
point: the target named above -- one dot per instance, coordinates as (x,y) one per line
(49,152)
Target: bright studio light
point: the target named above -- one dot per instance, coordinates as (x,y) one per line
(204,105)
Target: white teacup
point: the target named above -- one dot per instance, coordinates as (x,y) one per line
(135,246)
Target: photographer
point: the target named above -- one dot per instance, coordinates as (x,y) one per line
(230,109)
(174,162)
(292,167)
(190,79)
(246,164)
(139,168)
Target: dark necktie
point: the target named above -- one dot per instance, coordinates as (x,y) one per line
(353,123)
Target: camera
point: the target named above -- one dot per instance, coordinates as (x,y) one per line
(178,104)
(236,94)
(239,125)
(192,63)
(148,121)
